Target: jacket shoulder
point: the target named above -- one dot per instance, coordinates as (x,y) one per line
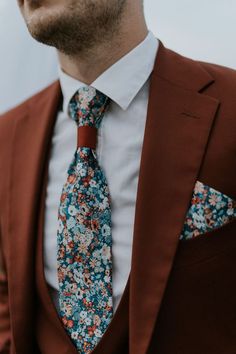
(223,89)
(10,119)
(7,118)
(223,76)
(192,74)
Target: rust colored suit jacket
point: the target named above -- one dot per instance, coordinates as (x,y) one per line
(181,295)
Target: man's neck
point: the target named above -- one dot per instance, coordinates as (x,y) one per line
(86,67)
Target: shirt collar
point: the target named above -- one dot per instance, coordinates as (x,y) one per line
(136,67)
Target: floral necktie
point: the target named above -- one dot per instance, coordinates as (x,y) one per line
(84,232)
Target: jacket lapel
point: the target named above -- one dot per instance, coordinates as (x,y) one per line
(178,125)
(31,143)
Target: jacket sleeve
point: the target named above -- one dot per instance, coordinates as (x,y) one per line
(5,332)
(5,328)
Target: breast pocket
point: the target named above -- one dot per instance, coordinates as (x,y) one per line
(209,210)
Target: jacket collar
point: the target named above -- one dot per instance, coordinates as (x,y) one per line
(136,68)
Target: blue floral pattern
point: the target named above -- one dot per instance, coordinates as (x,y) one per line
(209,209)
(84,235)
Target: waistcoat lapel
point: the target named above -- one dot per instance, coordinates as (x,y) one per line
(31,142)
(178,125)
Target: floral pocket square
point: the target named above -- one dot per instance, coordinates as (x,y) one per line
(209,210)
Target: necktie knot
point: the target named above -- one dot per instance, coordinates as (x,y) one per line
(88,106)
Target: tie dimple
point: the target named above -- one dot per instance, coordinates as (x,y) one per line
(84,233)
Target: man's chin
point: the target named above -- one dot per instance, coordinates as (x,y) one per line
(28,6)
(37,9)
(39,23)
(48,27)
(71,29)
(39,18)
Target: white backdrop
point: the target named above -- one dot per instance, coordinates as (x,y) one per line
(201,29)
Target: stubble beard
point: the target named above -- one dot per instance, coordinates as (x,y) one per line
(83,25)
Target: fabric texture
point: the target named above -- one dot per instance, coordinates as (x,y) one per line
(84,234)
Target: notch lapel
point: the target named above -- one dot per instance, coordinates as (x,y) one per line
(31,142)
(178,125)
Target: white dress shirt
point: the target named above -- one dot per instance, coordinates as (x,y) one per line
(119,145)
